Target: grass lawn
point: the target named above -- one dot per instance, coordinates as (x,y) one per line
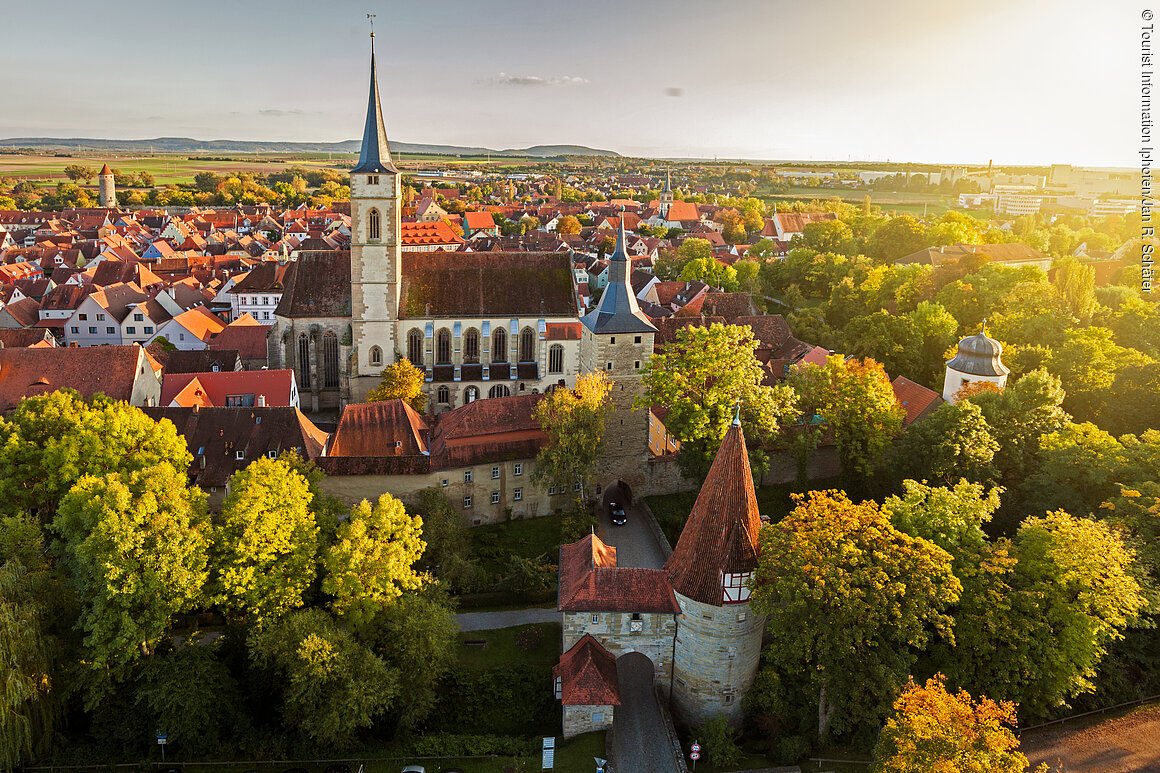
(526,644)
(529,538)
(576,755)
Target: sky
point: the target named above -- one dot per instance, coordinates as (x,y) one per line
(1017,82)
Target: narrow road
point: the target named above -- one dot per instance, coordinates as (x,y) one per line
(635,541)
(489,621)
(640,741)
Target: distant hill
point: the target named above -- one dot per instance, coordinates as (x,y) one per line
(188,145)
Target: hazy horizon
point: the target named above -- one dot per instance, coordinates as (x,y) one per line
(841,82)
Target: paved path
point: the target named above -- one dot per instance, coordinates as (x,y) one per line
(640,742)
(487,621)
(635,541)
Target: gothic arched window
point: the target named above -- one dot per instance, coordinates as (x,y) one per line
(443,347)
(330,360)
(499,351)
(376,356)
(470,395)
(374,226)
(443,395)
(527,345)
(304,361)
(499,390)
(556,358)
(471,346)
(415,347)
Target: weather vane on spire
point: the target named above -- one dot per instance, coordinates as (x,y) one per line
(371,19)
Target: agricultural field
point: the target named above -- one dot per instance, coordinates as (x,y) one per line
(933,204)
(179,169)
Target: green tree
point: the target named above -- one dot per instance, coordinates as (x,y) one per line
(401,381)
(857,403)
(135,545)
(331,684)
(371,562)
(448,555)
(266,541)
(1087,362)
(700,378)
(747,272)
(418,639)
(51,441)
(950,517)
(574,420)
(828,236)
(712,272)
(935,730)
(1019,417)
(189,693)
(27,702)
(1076,283)
(206,181)
(850,602)
(80,172)
(953,442)
(898,238)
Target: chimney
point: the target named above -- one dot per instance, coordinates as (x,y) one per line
(261,401)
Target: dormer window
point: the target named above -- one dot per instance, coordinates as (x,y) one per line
(736,587)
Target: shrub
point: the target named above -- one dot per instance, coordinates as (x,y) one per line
(720,744)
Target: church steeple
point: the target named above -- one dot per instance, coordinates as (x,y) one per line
(375,155)
(618,310)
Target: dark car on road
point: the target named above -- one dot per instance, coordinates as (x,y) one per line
(616,513)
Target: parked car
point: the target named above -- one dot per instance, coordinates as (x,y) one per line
(414,769)
(617,514)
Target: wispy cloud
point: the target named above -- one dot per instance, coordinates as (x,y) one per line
(505,79)
(279,113)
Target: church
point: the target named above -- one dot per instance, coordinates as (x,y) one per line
(480,325)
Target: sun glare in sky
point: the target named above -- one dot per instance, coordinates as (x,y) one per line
(1018,82)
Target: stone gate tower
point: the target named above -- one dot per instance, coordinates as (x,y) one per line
(617,338)
(375,259)
(107,188)
(718,641)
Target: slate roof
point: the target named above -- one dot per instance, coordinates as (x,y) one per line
(267,276)
(720,536)
(587,674)
(375,153)
(199,361)
(979,355)
(486,284)
(317,285)
(590,581)
(618,310)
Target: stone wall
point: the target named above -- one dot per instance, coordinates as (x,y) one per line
(716,657)
(615,631)
(586,719)
(534,501)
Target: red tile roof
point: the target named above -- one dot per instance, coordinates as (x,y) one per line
(915,399)
(421,234)
(683,211)
(212,389)
(246,336)
(482,284)
(720,536)
(562,331)
(587,674)
(388,428)
(110,370)
(476,221)
(590,581)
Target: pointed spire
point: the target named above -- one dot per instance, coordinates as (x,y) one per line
(618,310)
(105,170)
(375,154)
(668,182)
(720,536)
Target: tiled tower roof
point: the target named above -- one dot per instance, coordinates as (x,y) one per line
(720,536)
(375,154)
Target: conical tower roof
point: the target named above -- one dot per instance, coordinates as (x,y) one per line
(105,170)
(618,310)
(720,536)
(375,154)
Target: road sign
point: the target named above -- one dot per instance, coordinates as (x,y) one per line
(694,756)
(695,747)
(162,739)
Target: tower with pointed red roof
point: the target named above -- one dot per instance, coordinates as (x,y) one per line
(718,641)
(375,253)
(107,188)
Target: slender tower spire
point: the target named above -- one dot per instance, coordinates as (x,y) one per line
(375,154)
